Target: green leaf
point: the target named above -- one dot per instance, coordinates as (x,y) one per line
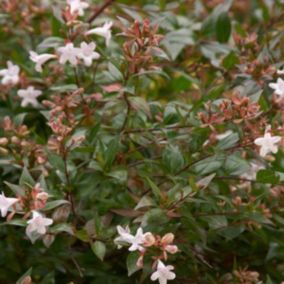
(235,164)
(18,190)
(114,72)
(145,201)
(173,159)
(64,88)
(50,42)
(154,187)
(56,161)
(63,227)
(204,182)
(268,280)
(209,25)
(232,232)
(223,27)
(99,249)
(209,165)
(267,176)
(217,222)
(26,178)
(17,222)
(228,142)
(53,204)
(175,41)
(131,263)
(24,276)
(231,60)
(111,151)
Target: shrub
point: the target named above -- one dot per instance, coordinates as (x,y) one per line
(141,141)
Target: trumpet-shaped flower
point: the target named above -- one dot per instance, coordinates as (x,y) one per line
(104,31)
(6,203)
(278,87)
(37,225)
(268,144)
(29,96)
(40,59)
(163,273)
(87,53)
(69,53)
(136,241)
(77,6)
(11,74)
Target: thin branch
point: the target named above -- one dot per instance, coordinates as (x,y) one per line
(154,129)
(127,102)
(244,179)
(97,12)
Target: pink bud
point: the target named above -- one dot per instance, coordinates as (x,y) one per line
(149,239)
(140,261)
(3,141)
(171,249)
(168,238)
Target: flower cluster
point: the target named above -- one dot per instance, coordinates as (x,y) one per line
(28,201)
(175,123)
(17,143)
(147,243)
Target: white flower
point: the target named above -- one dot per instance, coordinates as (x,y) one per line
(77,6)
(68,53)
(267,143)
(6,203)
(280,72)
(11,74)
(136,241)
(104,31)
(163,273)
(87,53)
(278,87)
(37,225)
(29,96)
(40,59)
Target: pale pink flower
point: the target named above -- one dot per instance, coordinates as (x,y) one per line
(136,241)
(11,74)
(29,96)
(104,31)
(163,273)
(40,59)
(68,53)
(6,203)
(278,87)
(37,225)
(87,53)
(77,6)
(268,144)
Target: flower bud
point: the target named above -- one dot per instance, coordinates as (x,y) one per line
(61,213)
(48,239)
(171,249)
(149,239)
(140,261)
(3,141)
(26,280)
(168,238)
(3,151)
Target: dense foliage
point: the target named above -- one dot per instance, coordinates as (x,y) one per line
(142,141)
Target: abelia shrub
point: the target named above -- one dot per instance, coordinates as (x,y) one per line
(141,141)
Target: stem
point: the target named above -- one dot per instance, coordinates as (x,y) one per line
(127,112)
(100,10)
(69,185)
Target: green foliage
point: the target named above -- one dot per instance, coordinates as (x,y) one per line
(157,133)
